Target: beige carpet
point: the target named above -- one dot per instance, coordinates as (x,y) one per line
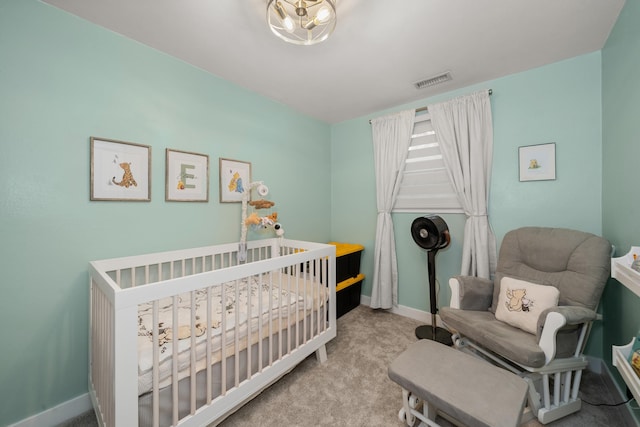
(353,389)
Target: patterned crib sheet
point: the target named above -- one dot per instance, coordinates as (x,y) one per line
(250,298)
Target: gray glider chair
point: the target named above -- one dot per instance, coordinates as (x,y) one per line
(534,317)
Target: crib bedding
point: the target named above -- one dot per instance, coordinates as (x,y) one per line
(273,301)
(289,334)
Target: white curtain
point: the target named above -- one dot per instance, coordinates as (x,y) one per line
(465,132)
(391,140)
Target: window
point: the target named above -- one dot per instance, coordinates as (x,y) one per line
(425,185)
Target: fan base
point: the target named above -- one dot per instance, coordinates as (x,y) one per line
(426,332)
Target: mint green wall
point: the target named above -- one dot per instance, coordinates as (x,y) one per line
(558,103)
(621,154)
(63,80)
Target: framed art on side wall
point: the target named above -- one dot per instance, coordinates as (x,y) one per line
(537,162)
(186,176)
(235,176)
(120,170)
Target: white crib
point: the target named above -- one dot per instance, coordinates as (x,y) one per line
(187,337)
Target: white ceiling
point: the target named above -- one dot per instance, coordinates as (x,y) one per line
(378,50)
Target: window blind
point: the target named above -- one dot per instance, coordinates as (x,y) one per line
(425,185)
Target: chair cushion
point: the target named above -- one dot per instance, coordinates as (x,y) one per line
(575,262)
(520,303)
(469,389)
(494,335)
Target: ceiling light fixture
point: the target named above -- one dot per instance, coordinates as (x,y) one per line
(304,22)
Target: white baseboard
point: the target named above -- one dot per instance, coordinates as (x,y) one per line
(412,313)
(58,414)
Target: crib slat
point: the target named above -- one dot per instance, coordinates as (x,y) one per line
(270,325)
(155,343)
(308,299)
(304,308)
(290,315)
(260,317)
(300,313)
(249,286)
(301,303)
(174,346)
(320,294)
(316,293)
(326,301)
(223,340)
(193,352)
(209,325)
(237,338)
(280,317)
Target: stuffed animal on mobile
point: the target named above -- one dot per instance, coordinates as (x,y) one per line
(252,219)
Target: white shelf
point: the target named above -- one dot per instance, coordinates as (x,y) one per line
(622,272)
(620,357)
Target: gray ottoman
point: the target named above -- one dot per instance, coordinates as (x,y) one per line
(466,388)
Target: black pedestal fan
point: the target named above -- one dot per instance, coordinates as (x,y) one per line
(431,233)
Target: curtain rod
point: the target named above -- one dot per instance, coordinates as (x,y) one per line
(421,109)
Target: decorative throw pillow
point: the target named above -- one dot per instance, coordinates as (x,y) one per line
(496,287)
(520,303)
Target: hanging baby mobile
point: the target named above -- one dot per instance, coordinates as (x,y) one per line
(262,218)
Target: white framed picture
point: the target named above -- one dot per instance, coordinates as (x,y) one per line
(235,177)
(120,171)
(186,176)
(537,162)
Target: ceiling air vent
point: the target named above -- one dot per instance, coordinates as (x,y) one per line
(432,81)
